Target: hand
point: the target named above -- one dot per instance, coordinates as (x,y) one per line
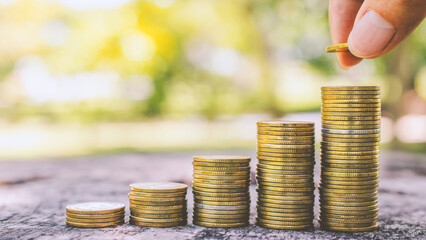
(372,27)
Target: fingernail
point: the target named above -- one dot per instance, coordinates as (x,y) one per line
(370,35)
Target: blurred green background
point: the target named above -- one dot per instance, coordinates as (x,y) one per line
(83,77)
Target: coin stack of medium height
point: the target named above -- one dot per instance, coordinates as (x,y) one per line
(285,152)
(350,158)
(221,191)
(95,214)
(158,204)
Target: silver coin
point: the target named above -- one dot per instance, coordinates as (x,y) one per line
(350,131)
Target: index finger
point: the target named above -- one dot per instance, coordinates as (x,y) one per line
(342,14)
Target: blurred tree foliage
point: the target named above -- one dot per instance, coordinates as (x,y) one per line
(197,57)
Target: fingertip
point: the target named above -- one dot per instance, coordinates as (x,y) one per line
(347,60)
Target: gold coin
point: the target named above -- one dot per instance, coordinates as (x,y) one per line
(374,109)
(347,191)
(338,144)
(350,127)
(284,223)
(349,92)
(239,217)
(222,173)
(350,100)
(341,174)
(285,155)
(351,88)
(226,178)
(289,147)
(157,195)
(135,210)
(285,133)
(261,171)
(284,210)
(262,184)
(349,204)
(145,203)
(286,151)
(222,158)
(220,225)
(287,138)
(155,216)
(287,168)
(327,138)
(351,131)
(348,187)
(347,194)
(138,207)
(156,220)
(222,203)
(152,199)
(222,182)
(220,220)
(286,215)
(304,164)
(281,123)
(209,164)
(94,220)
(95,208)
(96,216)
(351,136)
(286,219)
(284,178)
(350,183)
(351,118)
(351,229)
(221,199)
(222,169)
(305,160)
(341,113)
(153,224)
(285,206)
(350,170)
(351,213)
(351,166)
(94,225)
(350,105)
(281,142)
(220,190)
(342,47)
(347,217)
(351,122)
(345,199)
(354,152)
(331,97)
(348,224)
(158,187)
(222,186)
(224,213)
(350,159)
(278,196)
(284,227)
(219,195)
(284,129)
(361,180)
(289,202)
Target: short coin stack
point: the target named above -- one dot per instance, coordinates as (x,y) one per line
(285,151)
(158,204)
(350,158)
(95,214)
(221,191)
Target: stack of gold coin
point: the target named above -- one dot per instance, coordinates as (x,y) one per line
(158,204)
(95,214)
(350,158)
(221,191)
(285,153)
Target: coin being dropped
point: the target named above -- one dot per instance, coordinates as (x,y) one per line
(343,47)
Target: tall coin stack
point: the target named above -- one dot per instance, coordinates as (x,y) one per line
(285,151)
(221,191)
(350,158)
(95,214)
(158,204)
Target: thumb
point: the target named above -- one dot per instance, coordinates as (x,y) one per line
(381,25)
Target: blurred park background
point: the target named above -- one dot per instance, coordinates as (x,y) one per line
(84,77)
